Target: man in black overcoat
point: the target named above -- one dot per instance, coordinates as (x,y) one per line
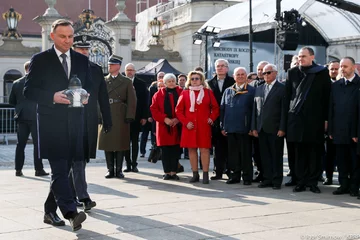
(269,125)
(218,84)
(343,121)
(98,97)
(60,127)
(25,115)
(142,112)
(307,98)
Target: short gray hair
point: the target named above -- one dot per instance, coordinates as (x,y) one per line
(130,65)
(222,60)
(273,67)
(239,68)
(262,63)
(169,76)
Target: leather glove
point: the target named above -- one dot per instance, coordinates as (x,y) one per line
(106,129)
(129,120)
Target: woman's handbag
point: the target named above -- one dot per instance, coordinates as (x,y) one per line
(155,154)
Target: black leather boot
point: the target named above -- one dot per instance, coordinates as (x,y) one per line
(205,177)
(119,163)
(109,156)
(195,177)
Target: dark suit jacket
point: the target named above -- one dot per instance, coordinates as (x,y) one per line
(98,98)
(269,115)
(308,125)
(213,84)
(25,110)
(142,108)
(343,111)
(60,127)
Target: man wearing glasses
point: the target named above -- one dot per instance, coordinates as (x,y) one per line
(268,124)
(218,85)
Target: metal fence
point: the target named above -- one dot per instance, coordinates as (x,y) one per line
(8,125)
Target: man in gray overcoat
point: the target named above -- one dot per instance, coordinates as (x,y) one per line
(122,99)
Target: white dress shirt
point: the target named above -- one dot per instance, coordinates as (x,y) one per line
(68,59)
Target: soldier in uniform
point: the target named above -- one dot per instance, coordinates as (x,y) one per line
(122,99)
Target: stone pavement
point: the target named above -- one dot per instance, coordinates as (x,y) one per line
(143,206)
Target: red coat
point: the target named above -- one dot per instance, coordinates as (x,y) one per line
(163,136)
(200,135)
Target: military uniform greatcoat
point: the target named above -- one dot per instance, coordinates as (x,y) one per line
(122,99)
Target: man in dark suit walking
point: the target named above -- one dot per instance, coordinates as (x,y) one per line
(142,110)
(25,115)
(98,97)
(269,124)
(343,122)
(218,85)
(60,127)
(307,98)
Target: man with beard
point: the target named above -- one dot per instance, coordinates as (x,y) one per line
(307,98)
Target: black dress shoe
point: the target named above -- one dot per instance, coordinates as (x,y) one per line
(89,204)
(142,155)
(127,170)
(327,181)
(120,175)
(276,187)
(233,181)
(247,182)
(76,221)
(180,169)
(135,169)
(321,179)
(315,189)
(299,188)
(167,177)
(358,197)
(175,177)
(216,177)
(19,173)
(354,193)
(109,174)
(264,185)
(41,173)
(340,191)
(53,219)
(291,183)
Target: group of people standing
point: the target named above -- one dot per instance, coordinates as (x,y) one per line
(242,117)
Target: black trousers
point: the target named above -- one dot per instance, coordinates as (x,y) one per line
(272,151)
(77,179)
(256,155)
(170,158)
(60,194)
(308,163)
(146,129)
(132,154)
(24,130)
(348,166)
(291,159)
(329,158)
(220,143)
(239,150)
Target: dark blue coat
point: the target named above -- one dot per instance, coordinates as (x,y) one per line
(343,110)
(60,127)
(236,110)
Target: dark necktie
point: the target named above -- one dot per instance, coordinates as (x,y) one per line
(347,82)
(64,64)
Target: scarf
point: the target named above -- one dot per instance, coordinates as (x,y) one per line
(192,96)
(168,109)
(243,90)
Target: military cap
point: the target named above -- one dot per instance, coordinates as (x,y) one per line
(82,41)
(115,59)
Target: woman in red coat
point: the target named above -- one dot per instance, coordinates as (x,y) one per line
(197,109)
(167,125)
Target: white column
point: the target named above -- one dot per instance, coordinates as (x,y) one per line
(122,26)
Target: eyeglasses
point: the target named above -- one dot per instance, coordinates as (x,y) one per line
(268,72)
(194,79)
(160,76)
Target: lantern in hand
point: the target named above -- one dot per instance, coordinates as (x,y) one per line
(75,93)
